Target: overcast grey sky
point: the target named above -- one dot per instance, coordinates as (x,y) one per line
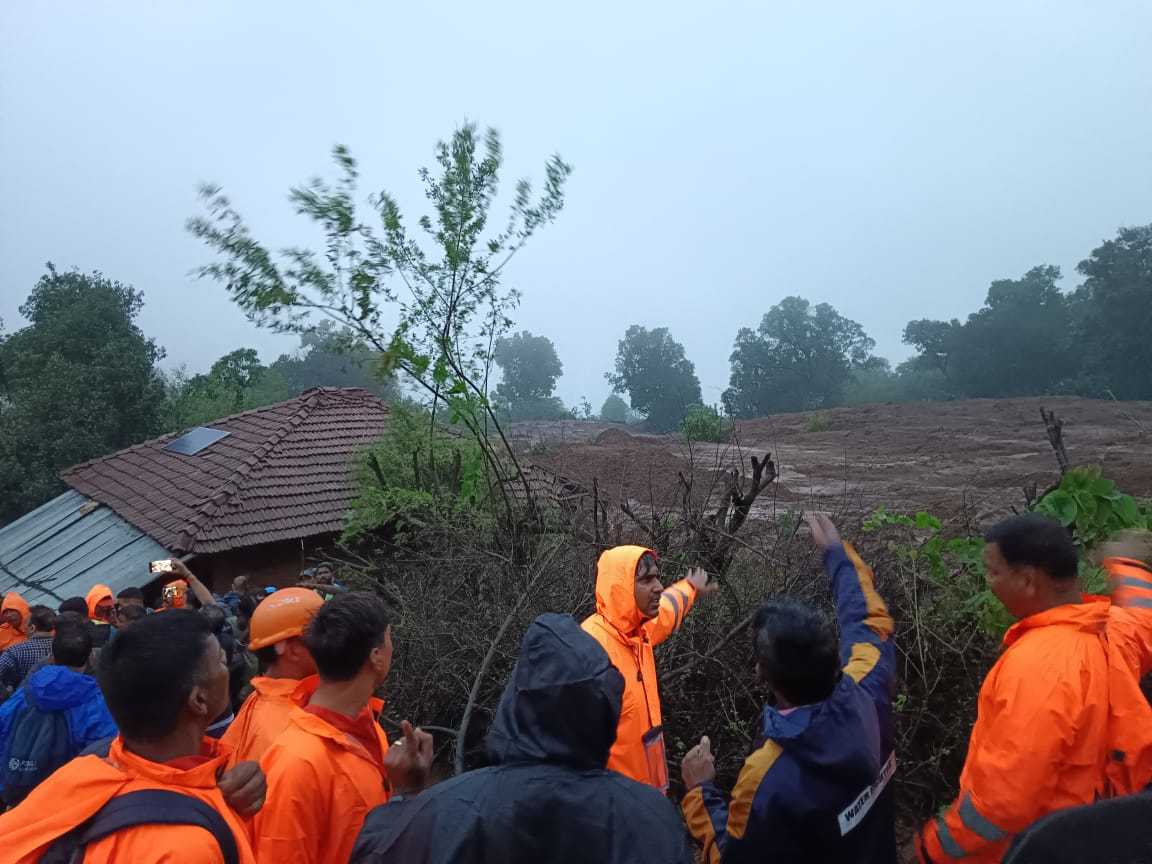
(889,158)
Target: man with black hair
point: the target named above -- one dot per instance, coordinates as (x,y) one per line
(163,679)
(326,771)
(817,786)
(16,662)
(52,717)
(1061,720)
(130,596)
(74,604)
(129,615)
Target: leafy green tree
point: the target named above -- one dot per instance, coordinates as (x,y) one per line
(529,367)
(614,410)
(660,381)
(1020,343)
(434,308)
(1114,308)
(237,382)
(331,356)
(78,382)
(799,354)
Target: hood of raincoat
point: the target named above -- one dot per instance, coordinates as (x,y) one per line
(616,587)
(98,593)
(815,734)
(56,688)
(562,704)
(12,600)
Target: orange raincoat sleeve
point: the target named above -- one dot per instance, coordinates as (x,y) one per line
(675,602)
(1130,620)
(1028,722)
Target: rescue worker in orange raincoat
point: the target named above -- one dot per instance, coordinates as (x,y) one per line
(13,619)
(163,680)
(327,770)
(276,632)
(634,613)
(1061,719)
(174,595)
(100,605)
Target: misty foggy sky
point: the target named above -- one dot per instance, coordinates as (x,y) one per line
(888,158)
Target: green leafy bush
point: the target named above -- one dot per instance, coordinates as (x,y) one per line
(418,467)
(704,423)
(817,423)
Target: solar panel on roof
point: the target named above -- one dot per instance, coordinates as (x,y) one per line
(191,443)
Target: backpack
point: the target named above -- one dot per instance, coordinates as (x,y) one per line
(38,744)
(143,807)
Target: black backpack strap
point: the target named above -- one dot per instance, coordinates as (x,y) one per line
(147,807)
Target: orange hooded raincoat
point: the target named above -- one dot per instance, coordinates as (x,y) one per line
(1061,721)
(629,637)
(263,716)
(10,635)
(321,785)
(75,792)
(98,593)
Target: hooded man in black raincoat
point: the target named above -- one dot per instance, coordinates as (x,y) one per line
(549,799)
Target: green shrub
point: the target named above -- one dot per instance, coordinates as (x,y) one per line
(817,423)
(704,423)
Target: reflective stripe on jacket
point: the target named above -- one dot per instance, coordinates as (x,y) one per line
(818,786)
(1061,722)
(629,637)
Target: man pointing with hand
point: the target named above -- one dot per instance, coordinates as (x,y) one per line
(634,613)
(817,786)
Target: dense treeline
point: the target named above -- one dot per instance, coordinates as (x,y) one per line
(1029,338)
(82,380)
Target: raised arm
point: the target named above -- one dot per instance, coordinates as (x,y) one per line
(866,627)
(675,602)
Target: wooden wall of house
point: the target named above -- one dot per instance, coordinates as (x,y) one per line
(275,564)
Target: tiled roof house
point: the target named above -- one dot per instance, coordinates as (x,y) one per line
(258,492)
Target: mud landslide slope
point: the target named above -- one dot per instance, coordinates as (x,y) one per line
(946,457)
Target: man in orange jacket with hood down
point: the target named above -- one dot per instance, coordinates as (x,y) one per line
(13,620)
(276,632)
(634,613)
(1061,719)
(327,770)
(163,680)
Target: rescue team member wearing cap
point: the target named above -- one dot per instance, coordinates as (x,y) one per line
(1061,720)
(634,613)
(328,768)
(13,613)
(817,787)
(276,633)
(163,680)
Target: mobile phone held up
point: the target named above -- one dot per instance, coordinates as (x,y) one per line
(164,566)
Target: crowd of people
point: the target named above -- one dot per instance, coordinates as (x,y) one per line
(245,727)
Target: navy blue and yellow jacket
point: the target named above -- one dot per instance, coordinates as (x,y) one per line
(817,787)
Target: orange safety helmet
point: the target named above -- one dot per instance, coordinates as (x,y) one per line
(283,615)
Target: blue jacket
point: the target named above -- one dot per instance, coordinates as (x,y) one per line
(817,786)
(56,688)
